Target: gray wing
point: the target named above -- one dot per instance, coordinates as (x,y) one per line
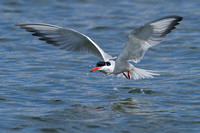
(66,39)
(147,36)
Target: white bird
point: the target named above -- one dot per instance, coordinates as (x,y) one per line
(137,44)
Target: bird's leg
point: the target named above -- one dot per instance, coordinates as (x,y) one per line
(125,75)
(128,77)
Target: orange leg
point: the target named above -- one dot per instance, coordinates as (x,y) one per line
(125,75)
(128,77)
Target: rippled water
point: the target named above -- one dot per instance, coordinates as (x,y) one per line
(43,89)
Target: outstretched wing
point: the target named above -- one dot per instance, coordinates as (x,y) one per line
(147,36)
(66,39)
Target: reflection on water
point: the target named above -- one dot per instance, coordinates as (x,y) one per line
(44,89)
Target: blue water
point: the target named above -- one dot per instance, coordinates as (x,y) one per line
(44,89)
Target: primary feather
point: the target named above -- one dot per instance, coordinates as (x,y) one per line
(64,38)
(147,36)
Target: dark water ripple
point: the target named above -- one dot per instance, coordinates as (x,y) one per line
(43,89)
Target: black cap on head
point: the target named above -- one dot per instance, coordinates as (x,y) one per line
(100,64)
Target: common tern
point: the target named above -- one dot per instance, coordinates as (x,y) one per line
(135,47)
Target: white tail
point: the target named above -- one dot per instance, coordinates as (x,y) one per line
(138,73)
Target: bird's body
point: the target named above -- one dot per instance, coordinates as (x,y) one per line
(138,42)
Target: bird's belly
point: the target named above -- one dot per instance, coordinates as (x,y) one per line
(122,68)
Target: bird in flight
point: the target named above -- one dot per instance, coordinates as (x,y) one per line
(135,47)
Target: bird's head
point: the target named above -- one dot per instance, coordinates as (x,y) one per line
(105,67)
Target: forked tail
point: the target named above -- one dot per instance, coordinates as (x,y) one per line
(138,73)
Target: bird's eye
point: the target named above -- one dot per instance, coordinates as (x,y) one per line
(108,63)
